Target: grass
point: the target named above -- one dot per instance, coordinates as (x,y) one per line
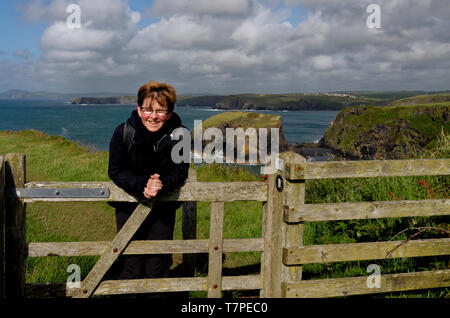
(52,158)
(244,120)
(423,99)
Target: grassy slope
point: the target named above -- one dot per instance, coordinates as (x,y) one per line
(57,159)
(427,119)
(51,158)
(289,101)
(422,99)
(243,119)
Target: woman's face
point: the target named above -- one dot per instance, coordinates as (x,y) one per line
(153,115)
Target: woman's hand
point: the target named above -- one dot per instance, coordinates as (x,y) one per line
(153,186)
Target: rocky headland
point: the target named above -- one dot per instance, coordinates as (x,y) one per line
(405,128)
(391,132)
(359,133)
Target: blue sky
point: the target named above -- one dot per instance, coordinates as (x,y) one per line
(15,33)
(224,47)
(19,34)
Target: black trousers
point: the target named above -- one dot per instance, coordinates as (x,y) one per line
(159,225)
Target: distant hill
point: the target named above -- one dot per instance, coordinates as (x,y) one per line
(199,101)
(294,101)
(105,100)
(422,99)
(326,101)
(23,94)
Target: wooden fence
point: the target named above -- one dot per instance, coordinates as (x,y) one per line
(296,213)
(281,245)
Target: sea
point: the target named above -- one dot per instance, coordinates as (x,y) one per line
(93,125)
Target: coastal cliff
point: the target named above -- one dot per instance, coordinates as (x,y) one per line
(323,101)
(391,132)
(358,133)
(287,102)
(245,120)
(105,100)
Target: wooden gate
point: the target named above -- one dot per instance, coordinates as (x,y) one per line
(215,192)
(282,250)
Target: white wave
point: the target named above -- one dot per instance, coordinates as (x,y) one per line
(211,109)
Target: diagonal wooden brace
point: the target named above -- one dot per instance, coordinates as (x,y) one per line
(116,247)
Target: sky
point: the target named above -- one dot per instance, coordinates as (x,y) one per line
(225,47)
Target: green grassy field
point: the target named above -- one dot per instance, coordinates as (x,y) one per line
(52,158)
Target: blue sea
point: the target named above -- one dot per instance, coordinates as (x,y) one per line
(93,125)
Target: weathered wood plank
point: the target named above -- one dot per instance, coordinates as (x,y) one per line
(365,210)
(15,221)
(191,191)
(294,195)
(215,250)
(141,247)
(367,168)
(364,251)
(2,228)
(116,247)
(189,229)
(250,282)
(358,285)
(271,264)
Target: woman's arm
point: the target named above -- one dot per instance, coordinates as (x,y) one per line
(118,171)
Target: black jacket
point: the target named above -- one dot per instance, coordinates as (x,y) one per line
(150,153)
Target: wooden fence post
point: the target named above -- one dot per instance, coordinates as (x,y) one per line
(189,229)
(271,270)
(2,228)
(294,195)
(215,250)
(15,240)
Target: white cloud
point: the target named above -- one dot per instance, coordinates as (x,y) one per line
(59,37)
(180,32)
(36,10)
(322,62)
(246,45)
(237,8)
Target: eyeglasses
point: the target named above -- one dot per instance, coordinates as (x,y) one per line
(159,112)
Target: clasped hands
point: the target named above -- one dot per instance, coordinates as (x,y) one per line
(153,186)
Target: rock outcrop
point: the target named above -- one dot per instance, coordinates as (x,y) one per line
(244,120)
(394,132)
(105,100)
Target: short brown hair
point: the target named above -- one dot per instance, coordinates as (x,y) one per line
(164,94)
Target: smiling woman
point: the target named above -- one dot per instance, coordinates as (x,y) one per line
(155,104)
(143,167)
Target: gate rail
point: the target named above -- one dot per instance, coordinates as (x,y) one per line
(281,245)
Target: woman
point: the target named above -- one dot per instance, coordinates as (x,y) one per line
(142,166)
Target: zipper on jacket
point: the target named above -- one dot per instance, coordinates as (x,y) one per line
(155,147)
